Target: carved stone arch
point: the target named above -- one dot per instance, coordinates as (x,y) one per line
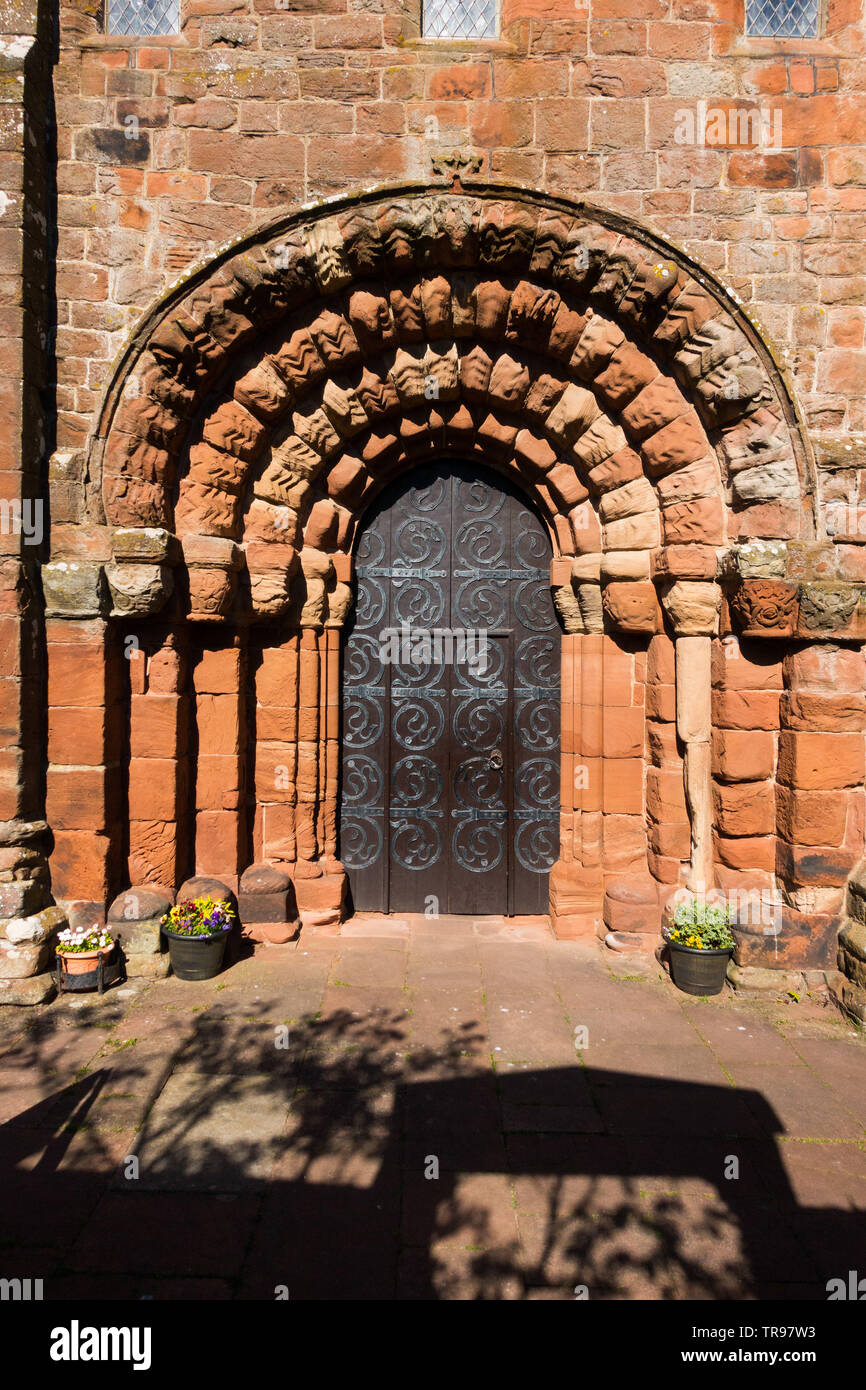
(604,369)
(270,396)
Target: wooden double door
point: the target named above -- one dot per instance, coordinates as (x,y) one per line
(451,702)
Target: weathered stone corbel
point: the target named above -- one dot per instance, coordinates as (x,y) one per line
(212,563)
(764,607)
(271,568)
(341,597)
(140,576)
(73,589)
(566,602)
(832,611)
(138,589)
(576,592)
(317,569)
(762,599)
(632,606)
(453,163)
(692,607)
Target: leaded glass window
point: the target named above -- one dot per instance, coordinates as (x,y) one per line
(143,18)
(459,19)
(782,19)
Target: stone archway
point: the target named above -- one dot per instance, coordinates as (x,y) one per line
(269,398)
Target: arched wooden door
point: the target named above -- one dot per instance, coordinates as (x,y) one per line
(451,701)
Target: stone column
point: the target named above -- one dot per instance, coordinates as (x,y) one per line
(693,609)
(308,749)
(319,878)
(219,680)
(569,730)
(588,796)
(277,750)
(159,782)
(694,730)
(669,834)
(575,879)
(330,717)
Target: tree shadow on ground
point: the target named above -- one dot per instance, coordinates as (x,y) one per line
(330,1158)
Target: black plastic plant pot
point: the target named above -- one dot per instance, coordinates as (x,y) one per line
(196,957)
(698,972)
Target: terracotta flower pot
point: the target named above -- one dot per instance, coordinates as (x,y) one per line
(82,962)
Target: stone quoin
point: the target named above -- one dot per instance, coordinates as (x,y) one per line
(285,294)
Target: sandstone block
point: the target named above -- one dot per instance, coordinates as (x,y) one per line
(40,927)
(820,762)
(262,907)
(743,755)
(810,817)
(746,709)
(692,607)
(21,898)
(632,607)
(818,865)
(138,588)
(149,544)
(744,808)
(20,961)
(813,711)
(151,966)
(37,989)
(139,938)
(140,904)
(73,589)
(823,667)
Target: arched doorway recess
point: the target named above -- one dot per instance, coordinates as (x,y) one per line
(450,704)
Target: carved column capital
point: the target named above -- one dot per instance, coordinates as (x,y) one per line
(692,607)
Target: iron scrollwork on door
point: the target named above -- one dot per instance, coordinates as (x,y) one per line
(536,729)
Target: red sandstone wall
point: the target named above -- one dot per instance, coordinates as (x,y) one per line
(255,108)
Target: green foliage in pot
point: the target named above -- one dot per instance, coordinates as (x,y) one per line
(198,917)
(702,925)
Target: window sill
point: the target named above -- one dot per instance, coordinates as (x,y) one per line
(745,47)
(486,45)
(130,41)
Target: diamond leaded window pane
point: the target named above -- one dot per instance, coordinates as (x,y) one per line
(459,19)
(143,18)
(782,19)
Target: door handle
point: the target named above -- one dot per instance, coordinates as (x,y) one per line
(494,759)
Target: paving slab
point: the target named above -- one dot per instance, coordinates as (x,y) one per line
(213,1132)
(806,1107)
(161,1233)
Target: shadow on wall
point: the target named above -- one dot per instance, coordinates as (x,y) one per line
(303,1168)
